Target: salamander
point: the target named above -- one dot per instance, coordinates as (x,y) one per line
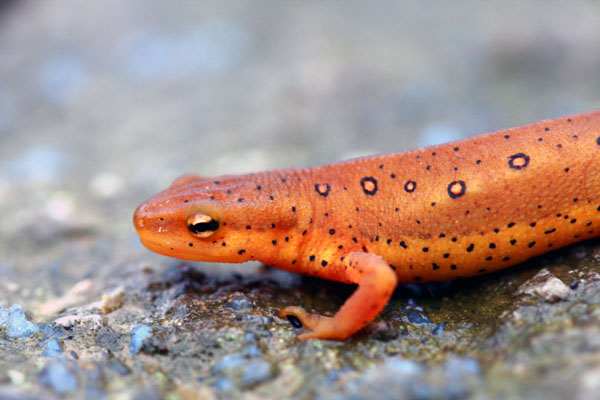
(445,212)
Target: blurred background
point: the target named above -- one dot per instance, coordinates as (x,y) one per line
(104,103)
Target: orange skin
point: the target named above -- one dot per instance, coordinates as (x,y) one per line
(445,212)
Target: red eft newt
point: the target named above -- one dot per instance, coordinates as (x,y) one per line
(444,212)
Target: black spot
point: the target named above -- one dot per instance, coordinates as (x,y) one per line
(410,186)
(531,244)
(546,129)
(392,176)
(518,161)
(453,267)
(388,241)
(425,249)
(446,255)
(323,189)
(456,149)
(240,199)
(311,258)
(369,185)
(550,231)
(191,244)
(403,244)
(457,189)
(323,263)
(355,240)
(435,266)
(506,259)
(294,209)
(573,220)
(488,258)
(287,239)
(513,242)
(271,198)
(471,247)
(274,242)
(598,141)
(478,162)
(492,245)
(332,231)
(510,224)
(496,230)
(532,224)
(258,187)
(242,251)
(567,169)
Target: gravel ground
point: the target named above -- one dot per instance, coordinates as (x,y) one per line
(102,104)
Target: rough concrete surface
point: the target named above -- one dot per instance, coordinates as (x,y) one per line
(102,104)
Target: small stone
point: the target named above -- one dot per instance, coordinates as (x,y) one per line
(256,371)
(18,324)
(52,349)
(229,362)
(58,377)
(417,318)
(545,286)
(223,385)
(138,335)
(252,351)
(439,328)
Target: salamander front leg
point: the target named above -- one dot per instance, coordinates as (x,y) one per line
(376,283)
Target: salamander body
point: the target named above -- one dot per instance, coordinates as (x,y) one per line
(438,213)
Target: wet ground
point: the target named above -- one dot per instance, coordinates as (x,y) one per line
(103,104)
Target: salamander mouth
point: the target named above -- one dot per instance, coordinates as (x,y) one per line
(179,250)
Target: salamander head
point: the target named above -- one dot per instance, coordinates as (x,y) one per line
(223,220)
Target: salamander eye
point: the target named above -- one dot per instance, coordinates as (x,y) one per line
(202,225)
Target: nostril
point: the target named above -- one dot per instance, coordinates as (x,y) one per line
(138,217)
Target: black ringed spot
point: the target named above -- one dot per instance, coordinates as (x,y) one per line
(457,189)
(323,189)
(410,186)
(369,185)
(518,161)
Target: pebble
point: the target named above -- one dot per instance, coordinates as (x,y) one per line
(439,328)
(545,286)
(16,322)
(52,349)
(138,335)
(229,362)
(417,318)
(256,371)
(223,384)
(57,376)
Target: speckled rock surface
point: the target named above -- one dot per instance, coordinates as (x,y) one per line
(104,103)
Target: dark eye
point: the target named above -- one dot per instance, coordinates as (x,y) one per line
(202,225)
